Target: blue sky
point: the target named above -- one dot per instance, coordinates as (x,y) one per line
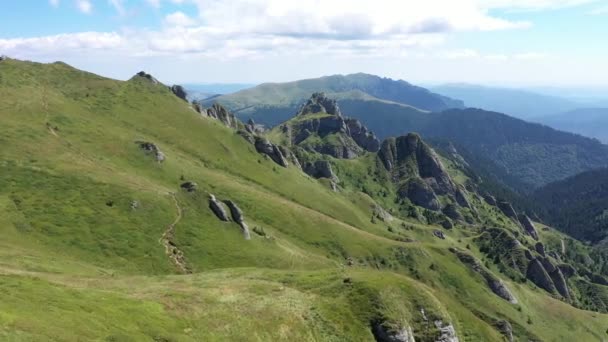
(499,42)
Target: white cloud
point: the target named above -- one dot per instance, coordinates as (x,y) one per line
(118,6)
(54,3)
(530,56)
(84,6)
(179,19)
(599,11)
(531,5)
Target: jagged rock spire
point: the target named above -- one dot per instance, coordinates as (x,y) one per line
(320,103)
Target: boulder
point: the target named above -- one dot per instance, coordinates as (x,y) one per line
(153,149)
(189,186)
(320,169)
(528,226)
(540,248)
(264,146)
(180,92)
(218,209)
(237,216)
(539,276)
(439,234)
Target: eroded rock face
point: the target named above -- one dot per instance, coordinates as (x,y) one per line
(421,194)
(237,216)
(180,92)
(264,146)
(384,333)
(408,157)
(506,329)
(528,226)
(362,136)
(218,209)
(320,169)
(462,198)
(446,331)
(491,200)
(540,248)
(290,156)
(320,103)
(494,283)
(507,209)
(220,113)
(152,148)
(539,276)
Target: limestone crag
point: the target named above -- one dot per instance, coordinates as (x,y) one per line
(220,113)
(320,103)
(180,92)
(539,276)
(446,331)
(147,77)
(237,216)
(218,209)
(320,169)
(152,148)
(384,332)
(264,146)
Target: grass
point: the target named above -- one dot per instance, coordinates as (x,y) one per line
(78,262)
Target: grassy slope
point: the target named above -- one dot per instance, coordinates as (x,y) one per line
(71,266)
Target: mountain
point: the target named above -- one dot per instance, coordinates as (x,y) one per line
(127,213)
(578,205)
(590,122)
(521,104)
(527,155)
(273,103)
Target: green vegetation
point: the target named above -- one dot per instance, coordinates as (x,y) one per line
(83,211)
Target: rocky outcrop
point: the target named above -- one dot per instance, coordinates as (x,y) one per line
(567,270)
(540,248)
(3,58)
(528,226)
(381,214)
(491,200)
(419,171)
(463,199)
(220,113)
(218,209)
(237,216)
(539,276)
(320,103)
(505,328)
(494,283)
(420,193)
(508,210)
(362,136)
(320,169)
(147,77)
(560,283)
(264,146)
(452,212)
(439,234)
(254,128)
(332,134)
(189,186)
(383,332)
(180,92)
(151,148)
(447,333)
(290,156)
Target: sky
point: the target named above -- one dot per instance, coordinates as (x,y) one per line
(551,43)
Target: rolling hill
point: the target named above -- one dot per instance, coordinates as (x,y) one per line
(127,213)
(273,103)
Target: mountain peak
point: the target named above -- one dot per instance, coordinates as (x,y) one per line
(320,103)
(146,76)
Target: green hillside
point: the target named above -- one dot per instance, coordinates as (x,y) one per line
(108,233)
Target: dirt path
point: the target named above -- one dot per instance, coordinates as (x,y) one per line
(174,253)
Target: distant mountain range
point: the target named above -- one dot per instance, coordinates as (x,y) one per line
(273,103)
(521,104)
(590,122)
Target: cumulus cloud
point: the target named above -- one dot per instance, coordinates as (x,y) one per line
(84,6)
(179,19)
